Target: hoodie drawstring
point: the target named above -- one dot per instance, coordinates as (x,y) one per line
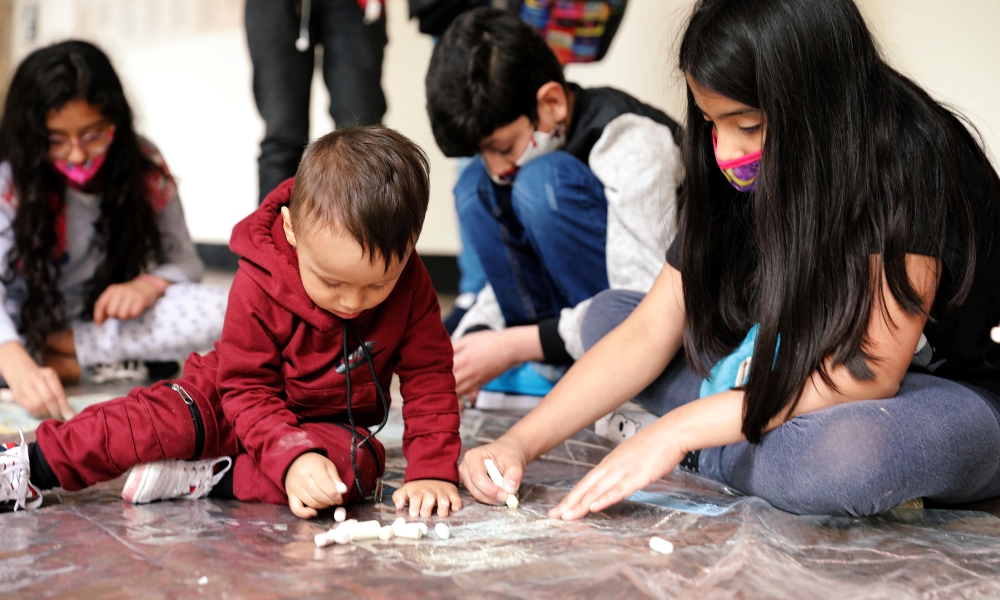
(350,413)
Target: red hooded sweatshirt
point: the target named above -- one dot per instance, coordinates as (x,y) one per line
(279,357)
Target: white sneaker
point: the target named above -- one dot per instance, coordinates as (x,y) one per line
(129,370)
(168,479)
(15,471)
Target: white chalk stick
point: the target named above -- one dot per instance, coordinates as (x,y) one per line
(340,514)
(995,334)
(385,533)
(398,522)
(365,530)
(342,536)
(660,545)
(497,478)
(494,473)
(323,540)
(442,531)
(341,487)
(346,525)
(413,531)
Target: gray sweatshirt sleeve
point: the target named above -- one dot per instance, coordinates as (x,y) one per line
(640,166)
(181,259)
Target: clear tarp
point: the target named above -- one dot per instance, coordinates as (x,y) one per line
(93,545)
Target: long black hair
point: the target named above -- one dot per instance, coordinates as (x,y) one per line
(855,157)
(125,233)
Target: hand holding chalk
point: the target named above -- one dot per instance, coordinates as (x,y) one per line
(494,473)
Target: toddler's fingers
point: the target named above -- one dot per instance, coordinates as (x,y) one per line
(427,505)
(299,509)
(443,503)
(456,501)
(338,483)
(399,498)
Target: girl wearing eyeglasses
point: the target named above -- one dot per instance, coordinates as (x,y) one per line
(96,264)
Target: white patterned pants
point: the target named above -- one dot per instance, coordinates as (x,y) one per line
(188,318)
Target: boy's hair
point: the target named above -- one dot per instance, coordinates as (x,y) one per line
(372,181)
(485,73)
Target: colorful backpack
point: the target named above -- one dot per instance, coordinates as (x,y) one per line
(578,31)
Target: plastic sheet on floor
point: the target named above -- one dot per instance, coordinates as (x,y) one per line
(93,545)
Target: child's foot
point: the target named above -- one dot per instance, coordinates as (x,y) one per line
(16,490)
(168,479)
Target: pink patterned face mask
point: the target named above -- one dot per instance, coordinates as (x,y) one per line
(741,172)
(79,174)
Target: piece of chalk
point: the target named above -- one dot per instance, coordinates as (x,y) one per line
(341,487)
(497,478)
(442,531)
(323,540)
(413,531)
(398,522)
(658,544)
(340,514)
(347,525)
(494,473)
(385,533)
(365,530)
(995,334)
(342,536)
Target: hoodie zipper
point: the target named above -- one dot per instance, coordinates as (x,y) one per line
(199,424)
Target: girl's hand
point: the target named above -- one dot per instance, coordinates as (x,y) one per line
(312,484)
(423,494)
(124,301)
(39,391)
(637,462)
(510,458)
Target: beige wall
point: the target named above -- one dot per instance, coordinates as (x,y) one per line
(186,69)
(950,48)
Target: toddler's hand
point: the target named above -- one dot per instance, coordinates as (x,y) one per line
(423,494)
(312,484)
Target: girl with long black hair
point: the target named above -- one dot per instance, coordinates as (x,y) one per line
(837,262)
(95,256)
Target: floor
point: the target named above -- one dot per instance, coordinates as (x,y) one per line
(92,545)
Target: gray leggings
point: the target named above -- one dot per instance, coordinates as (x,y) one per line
(936,439)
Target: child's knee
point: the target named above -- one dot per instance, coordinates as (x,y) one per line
(607,310)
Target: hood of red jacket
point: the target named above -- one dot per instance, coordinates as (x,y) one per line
(271,262)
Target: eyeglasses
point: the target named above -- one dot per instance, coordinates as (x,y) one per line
(92,143)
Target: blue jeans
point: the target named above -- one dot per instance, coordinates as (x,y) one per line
(541,241)
(472,277)
(935,439)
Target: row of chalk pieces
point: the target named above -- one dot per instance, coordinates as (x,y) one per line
(350,530)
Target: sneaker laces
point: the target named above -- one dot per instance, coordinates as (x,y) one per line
(129,370)
(195,479)
(15,471)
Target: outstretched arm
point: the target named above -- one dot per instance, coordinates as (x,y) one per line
(717,420)
(638,350)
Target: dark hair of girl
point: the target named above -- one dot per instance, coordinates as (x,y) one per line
(855,155)
(125,232)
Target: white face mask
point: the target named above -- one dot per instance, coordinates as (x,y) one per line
(540,144)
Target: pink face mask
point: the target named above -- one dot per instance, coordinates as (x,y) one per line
(80,174)
(741,172)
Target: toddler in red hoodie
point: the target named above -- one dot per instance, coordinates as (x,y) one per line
(329,301)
